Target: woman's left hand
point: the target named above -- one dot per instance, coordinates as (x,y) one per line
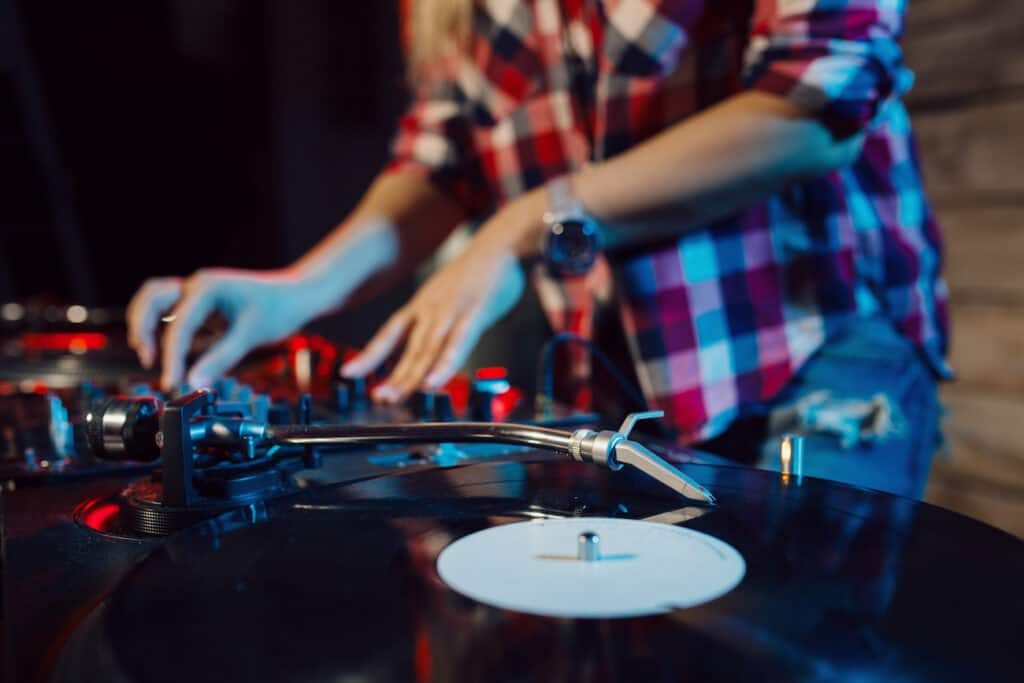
(443,321)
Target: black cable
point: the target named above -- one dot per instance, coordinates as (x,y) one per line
(546,368)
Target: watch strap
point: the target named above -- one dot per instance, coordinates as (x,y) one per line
(562,200)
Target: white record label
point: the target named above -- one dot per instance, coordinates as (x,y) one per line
(641,568)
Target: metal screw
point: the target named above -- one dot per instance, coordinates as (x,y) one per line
(791,456)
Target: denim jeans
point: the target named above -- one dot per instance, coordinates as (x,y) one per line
(867,406)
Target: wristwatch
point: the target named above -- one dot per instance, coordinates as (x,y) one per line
(572,240)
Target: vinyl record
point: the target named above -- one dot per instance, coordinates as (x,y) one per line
(374,581)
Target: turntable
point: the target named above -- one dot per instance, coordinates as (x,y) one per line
(557,563)
(561,571)
(245,534)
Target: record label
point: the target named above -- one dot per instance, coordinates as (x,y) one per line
(590,567)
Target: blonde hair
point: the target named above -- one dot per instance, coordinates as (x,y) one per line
(436,25)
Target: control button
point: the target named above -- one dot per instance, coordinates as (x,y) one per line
(357,394)
(421,404)
(489,382)
(225,388)
(279,413)
(260,407)
(341,403)
(306,409)
(443,409)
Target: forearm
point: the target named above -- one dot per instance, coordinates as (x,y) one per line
(709,166)
(398,224)
(704,168)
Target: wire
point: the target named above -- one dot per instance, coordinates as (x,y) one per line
(546,369)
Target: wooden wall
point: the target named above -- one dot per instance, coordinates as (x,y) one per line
(968,108)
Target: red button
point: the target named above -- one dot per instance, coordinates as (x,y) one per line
(492,373)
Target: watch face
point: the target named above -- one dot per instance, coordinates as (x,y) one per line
(572,247)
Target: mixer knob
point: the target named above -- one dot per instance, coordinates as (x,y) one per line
(421,404)
(260,407)
(489,382)
(341,399)
(357,394)
(279,413)
(306,409)
(225,388)
(443,410)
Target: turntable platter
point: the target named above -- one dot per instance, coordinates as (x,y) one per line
(344,583)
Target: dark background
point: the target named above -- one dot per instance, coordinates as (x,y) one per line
(161,136)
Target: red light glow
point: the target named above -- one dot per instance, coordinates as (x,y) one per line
(75,342)
(99,514)
(503,405)
(492,373)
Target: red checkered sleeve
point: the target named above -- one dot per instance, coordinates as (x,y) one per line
(435,141)
(840,59)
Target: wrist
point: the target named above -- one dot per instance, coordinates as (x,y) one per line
(518,226)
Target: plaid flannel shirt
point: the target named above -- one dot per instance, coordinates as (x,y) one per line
(719,319)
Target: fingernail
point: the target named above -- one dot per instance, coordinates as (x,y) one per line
(432,381)
(349,370)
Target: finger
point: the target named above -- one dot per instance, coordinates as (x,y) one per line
(458,344)
(155,296)
(387,390)
(420,354)
(378,347)
(143,315)
(197,303)
(222,356)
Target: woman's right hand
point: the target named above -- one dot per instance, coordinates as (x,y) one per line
(260,307)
